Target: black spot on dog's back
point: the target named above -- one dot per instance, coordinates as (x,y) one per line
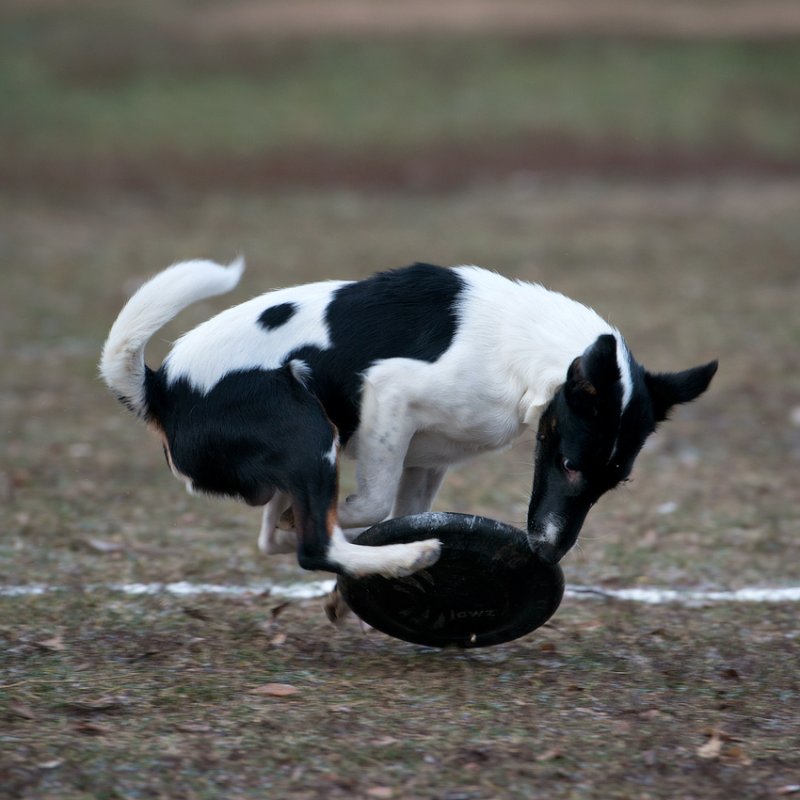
(403,313)
(275,316)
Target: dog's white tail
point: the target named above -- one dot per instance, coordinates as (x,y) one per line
(153,306)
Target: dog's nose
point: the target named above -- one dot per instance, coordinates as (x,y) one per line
(549,553)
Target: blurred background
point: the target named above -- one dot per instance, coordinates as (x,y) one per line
(254,94)
(642,157)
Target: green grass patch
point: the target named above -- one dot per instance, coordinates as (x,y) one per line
(118,82)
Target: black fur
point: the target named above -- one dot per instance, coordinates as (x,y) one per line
(275,316)
(402,313)
(255,432)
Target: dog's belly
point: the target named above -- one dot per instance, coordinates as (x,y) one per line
(430,449)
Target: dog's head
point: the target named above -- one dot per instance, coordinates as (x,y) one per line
(591,432)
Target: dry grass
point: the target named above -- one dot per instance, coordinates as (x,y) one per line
(105,696)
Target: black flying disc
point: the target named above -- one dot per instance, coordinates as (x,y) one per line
(487,587)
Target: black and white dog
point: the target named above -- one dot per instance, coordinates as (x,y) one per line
(408,371)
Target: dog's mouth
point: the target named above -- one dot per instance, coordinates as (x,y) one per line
(552,537)
(550,554)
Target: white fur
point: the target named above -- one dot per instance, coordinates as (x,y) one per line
(234,340)
(391,560)
(332,456)
(514,344)
(552,528)
(153,306)
(623,362)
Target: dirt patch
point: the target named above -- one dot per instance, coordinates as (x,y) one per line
(104,695)
(548,18)
(175,701)
(679,19)
(433,168)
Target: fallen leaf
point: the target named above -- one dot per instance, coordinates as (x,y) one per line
(553,754)
(737,754)
(191,727)
(712,748)
(791,788)
(278,640)
(590,625)
(276,690)
(102,546)
(652,713)
(196,613)
(21,711)
(99,706)
(54,644)
(277,610)
(90,729)
(56,762)
(381,792)
(724,735)
(730,674)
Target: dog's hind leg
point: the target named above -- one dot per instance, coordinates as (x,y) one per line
(272,539)
(322,544)
(418,488)
(389,560)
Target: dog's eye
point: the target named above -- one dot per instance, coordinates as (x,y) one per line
(570,467)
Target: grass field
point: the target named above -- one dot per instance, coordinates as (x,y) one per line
(114,164)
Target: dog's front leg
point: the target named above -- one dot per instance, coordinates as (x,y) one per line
(383,438)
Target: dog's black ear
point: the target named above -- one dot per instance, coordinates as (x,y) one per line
(668,389)
(590,375)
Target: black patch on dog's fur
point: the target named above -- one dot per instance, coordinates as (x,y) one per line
(403,313)
(254,431)
(276,316)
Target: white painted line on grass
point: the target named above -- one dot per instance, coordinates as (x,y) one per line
(310,589)
(688,597)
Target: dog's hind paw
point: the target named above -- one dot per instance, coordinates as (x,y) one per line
(428,552)
(286,521)
(335,607)
(389,560)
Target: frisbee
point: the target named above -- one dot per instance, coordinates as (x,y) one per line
(487,587)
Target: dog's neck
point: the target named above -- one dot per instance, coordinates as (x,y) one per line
(539,334)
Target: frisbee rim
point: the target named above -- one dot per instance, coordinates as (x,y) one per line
(463,536)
